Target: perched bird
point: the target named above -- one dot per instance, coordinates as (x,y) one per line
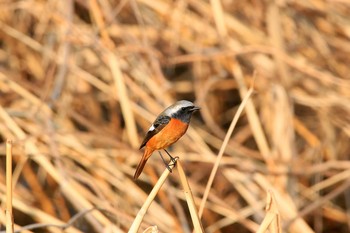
(168,127)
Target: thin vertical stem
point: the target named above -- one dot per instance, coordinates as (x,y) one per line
(9,217)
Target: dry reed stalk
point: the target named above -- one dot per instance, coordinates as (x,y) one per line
(124,100)
(151,229)
(273,18)
(272,221)
(189,199)
(9,215)
(219,18)
(232,216)
(222,149)
(323,200)
(60,106)
(198,228)
(245,33)
(141,213)
(253,117)
(38,215)
(289,210)
(79,201)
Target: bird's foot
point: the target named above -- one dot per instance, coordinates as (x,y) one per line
(172,164)
(173,160)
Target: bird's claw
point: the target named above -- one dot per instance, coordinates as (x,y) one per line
(172,164)
(172,159)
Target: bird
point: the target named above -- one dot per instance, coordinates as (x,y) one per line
(168,128)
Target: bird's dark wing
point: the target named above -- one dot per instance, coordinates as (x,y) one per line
(157,126)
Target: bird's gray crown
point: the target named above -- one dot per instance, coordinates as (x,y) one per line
(175,108)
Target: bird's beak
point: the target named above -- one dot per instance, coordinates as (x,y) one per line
(195,108)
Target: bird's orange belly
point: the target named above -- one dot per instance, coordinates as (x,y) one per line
(172,132)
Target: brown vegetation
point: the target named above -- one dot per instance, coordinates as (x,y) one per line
(81,81)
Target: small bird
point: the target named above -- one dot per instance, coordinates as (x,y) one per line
(168,127)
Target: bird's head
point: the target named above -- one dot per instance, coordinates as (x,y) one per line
(181,110)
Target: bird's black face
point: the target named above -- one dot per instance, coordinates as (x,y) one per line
(184,114)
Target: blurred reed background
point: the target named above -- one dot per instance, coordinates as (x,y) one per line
(82,80)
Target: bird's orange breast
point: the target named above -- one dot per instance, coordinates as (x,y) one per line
(172,132)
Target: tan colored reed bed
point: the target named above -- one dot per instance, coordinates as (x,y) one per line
(81,81)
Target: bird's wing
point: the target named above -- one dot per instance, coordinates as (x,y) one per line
(157,126)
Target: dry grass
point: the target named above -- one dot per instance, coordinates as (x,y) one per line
(80,82)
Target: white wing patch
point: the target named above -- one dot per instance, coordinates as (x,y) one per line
(151,128)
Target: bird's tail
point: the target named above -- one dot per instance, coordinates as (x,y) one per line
(148,152)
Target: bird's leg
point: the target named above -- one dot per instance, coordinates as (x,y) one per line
(172,158)
(165,162)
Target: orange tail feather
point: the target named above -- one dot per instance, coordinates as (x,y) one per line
(148,152)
